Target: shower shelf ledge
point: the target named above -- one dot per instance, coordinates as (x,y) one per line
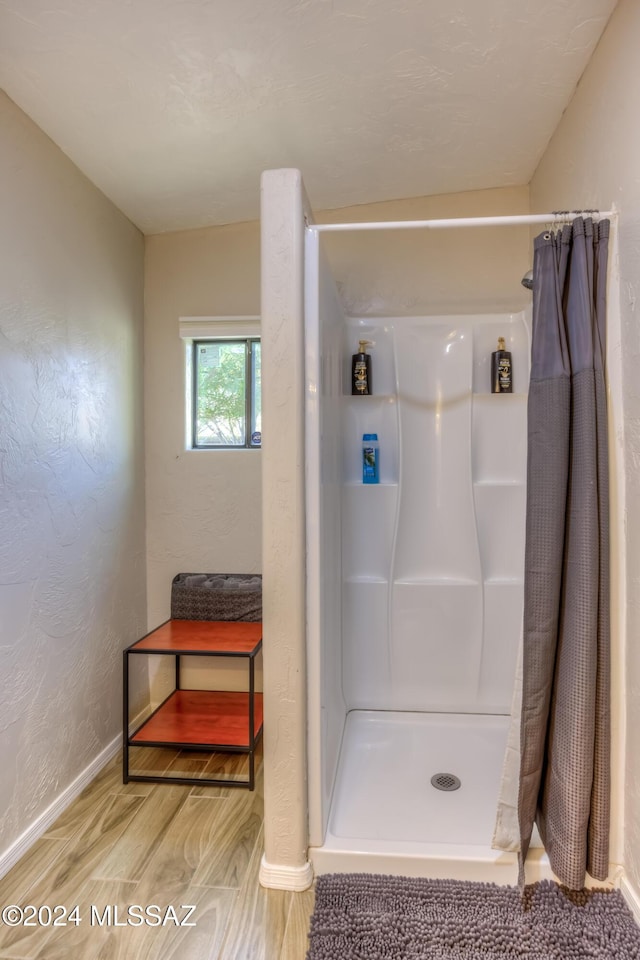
(499,483)
(384,397)
(508,397)
(359,483)
(436,582)
(366,580)
(505,581)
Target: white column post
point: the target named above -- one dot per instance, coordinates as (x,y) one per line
(284,864)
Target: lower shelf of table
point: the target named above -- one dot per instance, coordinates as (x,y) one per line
(216,719)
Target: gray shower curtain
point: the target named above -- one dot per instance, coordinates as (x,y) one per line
(565,727)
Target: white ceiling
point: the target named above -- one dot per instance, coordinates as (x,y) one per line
(174,107)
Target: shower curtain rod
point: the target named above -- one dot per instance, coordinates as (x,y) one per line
(552,218)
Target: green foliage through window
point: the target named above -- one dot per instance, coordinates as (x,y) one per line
(227,386)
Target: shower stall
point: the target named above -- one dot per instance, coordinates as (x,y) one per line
(414,585)
(392,611)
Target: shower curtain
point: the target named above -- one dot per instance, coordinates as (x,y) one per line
(564,780)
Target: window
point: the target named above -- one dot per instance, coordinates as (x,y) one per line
(226,384)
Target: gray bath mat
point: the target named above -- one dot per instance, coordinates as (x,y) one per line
(368,917)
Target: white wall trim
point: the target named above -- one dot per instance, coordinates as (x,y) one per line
(315,753)
(632,898)
(284,877)
(195,328)
(39,826)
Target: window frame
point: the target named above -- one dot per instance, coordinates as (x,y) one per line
(210,328)
(248,340)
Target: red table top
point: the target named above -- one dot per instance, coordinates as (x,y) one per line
(203,636)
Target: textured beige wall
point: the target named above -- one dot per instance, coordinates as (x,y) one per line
(203,506)
(593,161)
(72,585)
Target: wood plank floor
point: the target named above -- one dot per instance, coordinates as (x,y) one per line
(168,845)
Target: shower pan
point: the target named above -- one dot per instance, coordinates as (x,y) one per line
(415,586)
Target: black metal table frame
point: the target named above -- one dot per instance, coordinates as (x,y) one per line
(254,738)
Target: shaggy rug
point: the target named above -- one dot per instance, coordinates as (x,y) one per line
(368,917)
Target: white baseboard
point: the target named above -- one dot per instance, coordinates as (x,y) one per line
(284,877)
(39,826)
(19,847)
(632,898)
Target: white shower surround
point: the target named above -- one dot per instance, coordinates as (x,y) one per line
(439,542)
(285,864)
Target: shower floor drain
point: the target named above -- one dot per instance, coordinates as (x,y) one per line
(445,781)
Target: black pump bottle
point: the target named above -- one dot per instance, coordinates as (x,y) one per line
(361,370)
(501,369)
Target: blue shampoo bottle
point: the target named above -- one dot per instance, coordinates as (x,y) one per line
(370,458)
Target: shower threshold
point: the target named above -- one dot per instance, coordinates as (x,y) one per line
(386,815)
